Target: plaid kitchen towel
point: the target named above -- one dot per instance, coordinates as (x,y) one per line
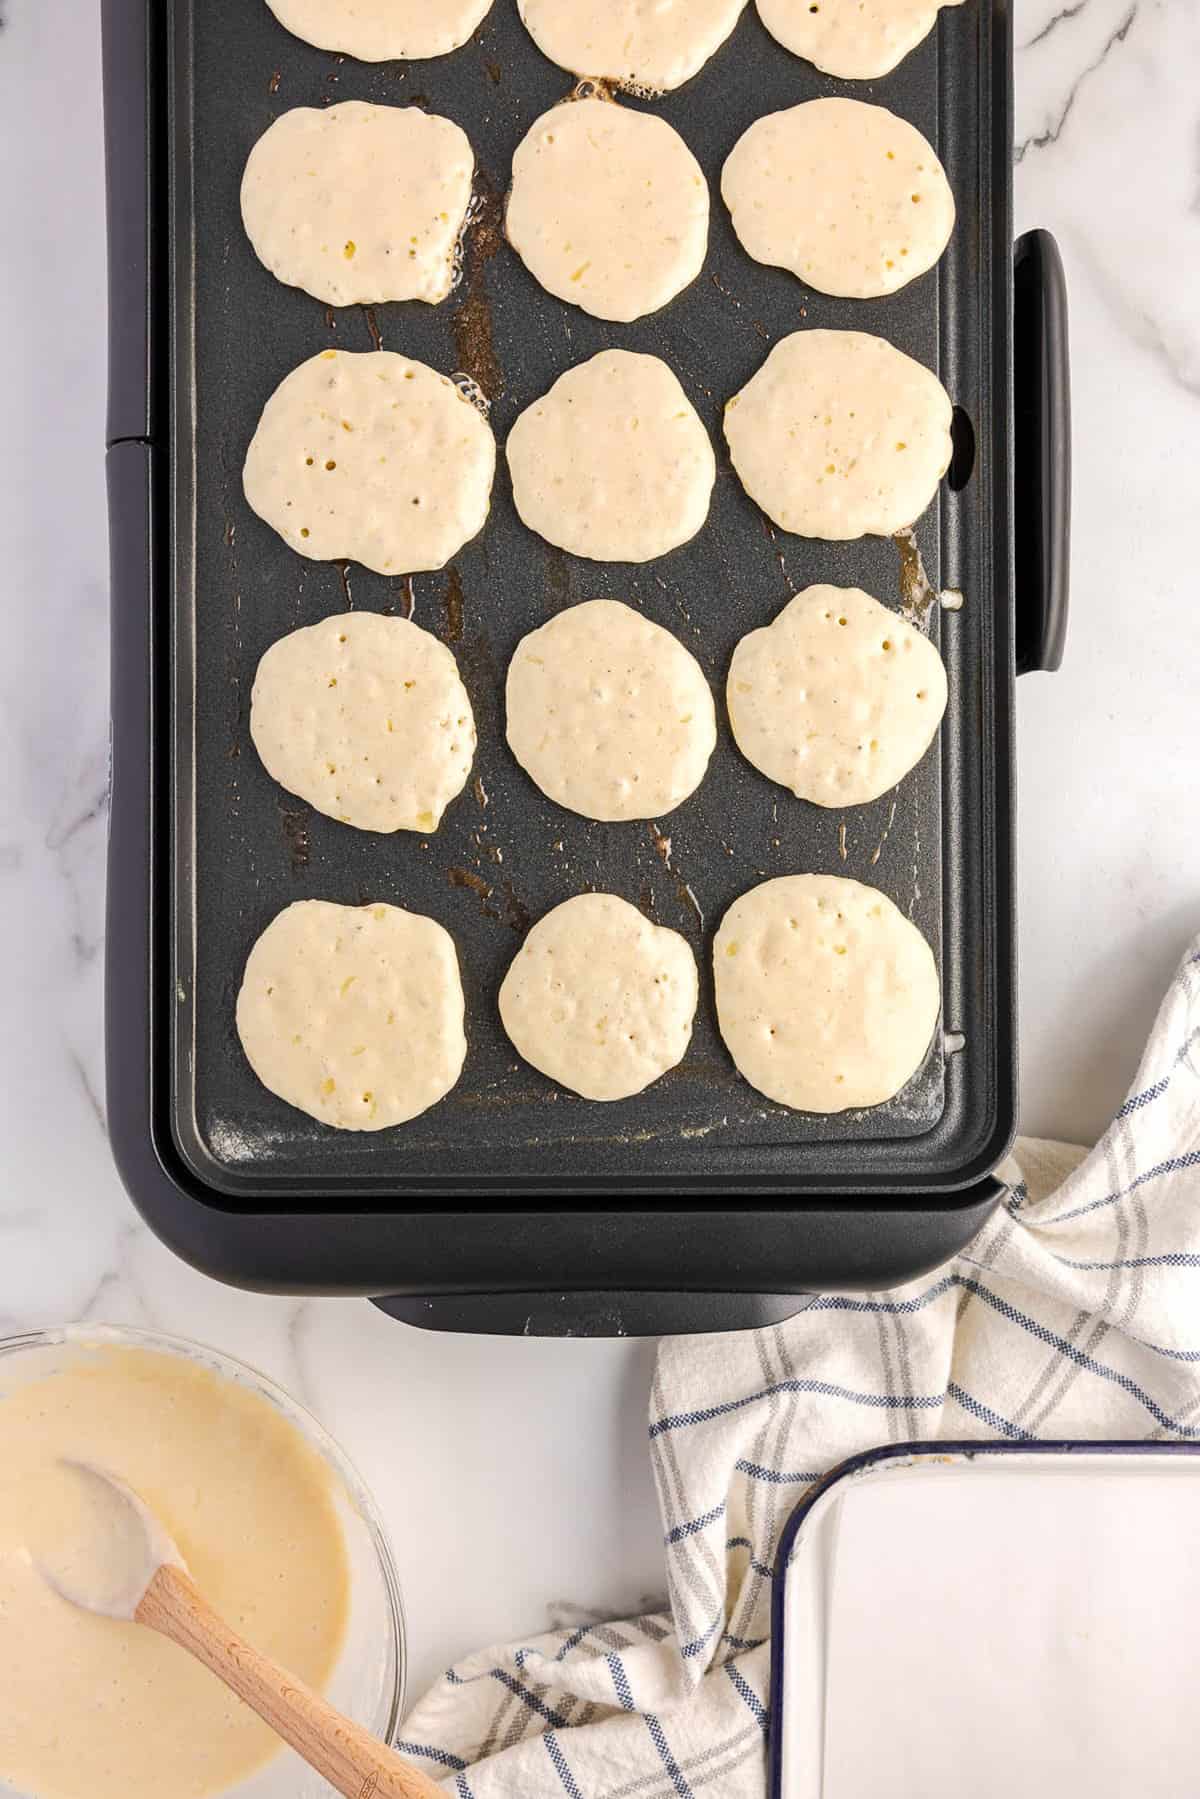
(1073,1314)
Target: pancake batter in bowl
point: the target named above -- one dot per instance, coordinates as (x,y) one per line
(92,1706)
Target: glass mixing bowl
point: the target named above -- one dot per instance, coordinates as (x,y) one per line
(368,1682)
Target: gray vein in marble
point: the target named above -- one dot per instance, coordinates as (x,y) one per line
(76,837)
(1053,132)
(58,836)
(86,949)
(1181,363)
(108,1298)
(85,1081)
(1152,336)
(297,1332)
(110,1301)
(81,863)
(1060,18)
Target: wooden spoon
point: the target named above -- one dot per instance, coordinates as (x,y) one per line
(145,1579)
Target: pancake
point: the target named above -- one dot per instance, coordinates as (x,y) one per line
(608,208)
(380,30)
(359,204)
(372,457)
(838,698)
(353,1014)
(858,40)
(608,713)
(366,718)
(827,997)
(599,999)
(613,463)
(651,47)
(840,435)
(847,196)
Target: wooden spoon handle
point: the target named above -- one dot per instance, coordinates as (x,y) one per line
(352,1760)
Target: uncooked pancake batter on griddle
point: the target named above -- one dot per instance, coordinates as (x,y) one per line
(849,197)
(359,204)
(840,435)
(367,719)
(858,40)
(837,698)
(827,996)
(609,713)
(380,30)
(600,999)
(608,208)
(652,45)
(371,457)
(354,1014)
(613,462)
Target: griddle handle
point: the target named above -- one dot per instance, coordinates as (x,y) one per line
(1041,451)
(850,1244)
(128,146)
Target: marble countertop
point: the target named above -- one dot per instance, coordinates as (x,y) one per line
(1108,157)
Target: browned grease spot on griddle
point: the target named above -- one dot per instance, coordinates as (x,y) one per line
(466,877)
(842,852)
(494,72)
(916,589)
(878,850)
(773,540)
(330,321)
(493,852)
(408,598)
(295,836)
(662,847)
(477,664)
(591,87)
(472,319)
(373,326)
(755,324)
(273,84)
(454,605)
(344,573)
(482,797)
(475,883)
(517,915)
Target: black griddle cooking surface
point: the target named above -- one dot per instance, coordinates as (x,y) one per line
(243,848)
